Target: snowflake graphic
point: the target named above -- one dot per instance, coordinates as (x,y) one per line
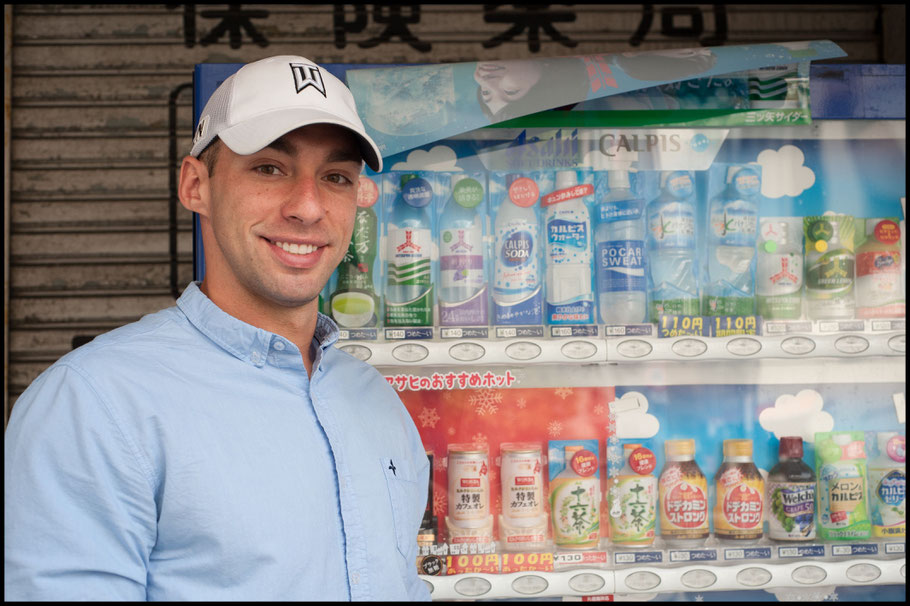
(521,402)
(451,431)
(599,409)
(611,428)
(554,428)
(448,396)
(428,417)
(485,401)
(439,463)
(832,597)
(613,439)
(479,439)
(439,505)
(563,392)
(614,456)
(612,416)
(699,598)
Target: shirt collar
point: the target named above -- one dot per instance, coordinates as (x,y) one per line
(245,341)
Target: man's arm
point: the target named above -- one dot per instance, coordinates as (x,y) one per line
(80,514)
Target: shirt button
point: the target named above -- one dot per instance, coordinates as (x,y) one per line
(254,357)
(279,345)
(355,577)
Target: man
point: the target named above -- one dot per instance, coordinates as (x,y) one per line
(222,449)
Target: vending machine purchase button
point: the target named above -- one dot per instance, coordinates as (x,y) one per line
(851,344)
(797,345)
(642,580)
(410,352)
(689,348)
(586,582)
(473,586)
(898,343)
(743,346)
(523,350)
(634,348)
(698,579)
(467,352)
(358,351)
(529,584)
(753,577)
(579,350)
(863,573)
(809,575)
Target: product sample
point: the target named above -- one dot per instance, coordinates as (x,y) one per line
(574,472)
(791,494)
(779,273)
(683,496)
(523,522)
(469,519)
(462,279)
(409,286)
(740,494)
(829,266)
(632,499)
(878,272)
(840,464)
(517,292)
(888,487)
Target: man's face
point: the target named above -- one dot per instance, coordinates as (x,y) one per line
(281,219)
(502,82)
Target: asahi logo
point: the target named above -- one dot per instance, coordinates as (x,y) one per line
(307,75)
(556,152)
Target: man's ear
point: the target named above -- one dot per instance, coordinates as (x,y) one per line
(193,189)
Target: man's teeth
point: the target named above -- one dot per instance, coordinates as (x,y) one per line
(296,249)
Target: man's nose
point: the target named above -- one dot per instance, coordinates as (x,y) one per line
(305,201)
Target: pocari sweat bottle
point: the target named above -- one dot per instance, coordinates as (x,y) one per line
(462,286)
(408,277)
(517,295)
(619,253)
(733,229)
(671,247)
(569,297)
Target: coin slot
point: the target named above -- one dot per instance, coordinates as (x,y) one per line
(586,582)
(809,575)
(410,352)
(473,586)
(753,577)
(358,351)
(529,584)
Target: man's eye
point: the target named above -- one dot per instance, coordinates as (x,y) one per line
(267,169)
(338,178)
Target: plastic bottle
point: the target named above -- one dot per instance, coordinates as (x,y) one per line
(569,296)
(791,494)
(740,493)
(733,216)
(517,295)
(779,273)
(354,299)
(830,266)
(888,487)
(620,259)
(878,272)
(575,499)
(461,256)
(410,240)
(683,496)
(840,464)
(632,499)
(671,247)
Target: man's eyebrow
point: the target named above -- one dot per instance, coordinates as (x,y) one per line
(346,154)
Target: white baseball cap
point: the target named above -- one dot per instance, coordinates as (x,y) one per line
(268,98)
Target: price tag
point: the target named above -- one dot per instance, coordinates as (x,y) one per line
(358,334)
(725,326)
(855,549)
(563,558)
(638,557)
(749,553)
(523,562)
(680,326)
(693,555)
(802,551)
(895,547)
(477,563)
(464,332)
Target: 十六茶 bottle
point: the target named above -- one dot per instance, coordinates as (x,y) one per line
(569,295)
(619,254)
(462,280)
(632,499)
(791,494)
(574,473)
(733,216)
(517,293)
(409,286)
(671,247)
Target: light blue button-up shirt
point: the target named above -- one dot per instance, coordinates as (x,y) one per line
(188,456)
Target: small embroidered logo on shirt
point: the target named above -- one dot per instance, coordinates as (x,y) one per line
(392,467)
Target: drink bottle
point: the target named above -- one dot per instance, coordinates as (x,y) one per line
(878,272)
(791,494)
(830,266)
(779,272)
(409,287)
(730,288)
(354,300)
(671,246)
(517,297)
(569,297)
(632,501)
(461,258)
(888,486)
(619,242)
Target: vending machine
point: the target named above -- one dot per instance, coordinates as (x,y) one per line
(647,311)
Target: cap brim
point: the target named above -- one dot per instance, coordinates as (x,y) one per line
(253,135)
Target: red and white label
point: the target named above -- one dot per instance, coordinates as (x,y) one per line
(569,193)
(743,507)
(584,463)
(524,192)
(642,461)
(367,192)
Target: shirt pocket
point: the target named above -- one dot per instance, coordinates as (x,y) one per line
(406,494)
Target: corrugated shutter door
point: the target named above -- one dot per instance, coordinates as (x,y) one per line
(90,235)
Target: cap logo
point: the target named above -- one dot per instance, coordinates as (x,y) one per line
(200,130)
(307,75)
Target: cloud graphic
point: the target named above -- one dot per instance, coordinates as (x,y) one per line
(632,418)
(440,157)
(783,172)
(799,415)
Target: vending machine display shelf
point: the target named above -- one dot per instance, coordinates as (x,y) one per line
(623,349)
(589,581)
